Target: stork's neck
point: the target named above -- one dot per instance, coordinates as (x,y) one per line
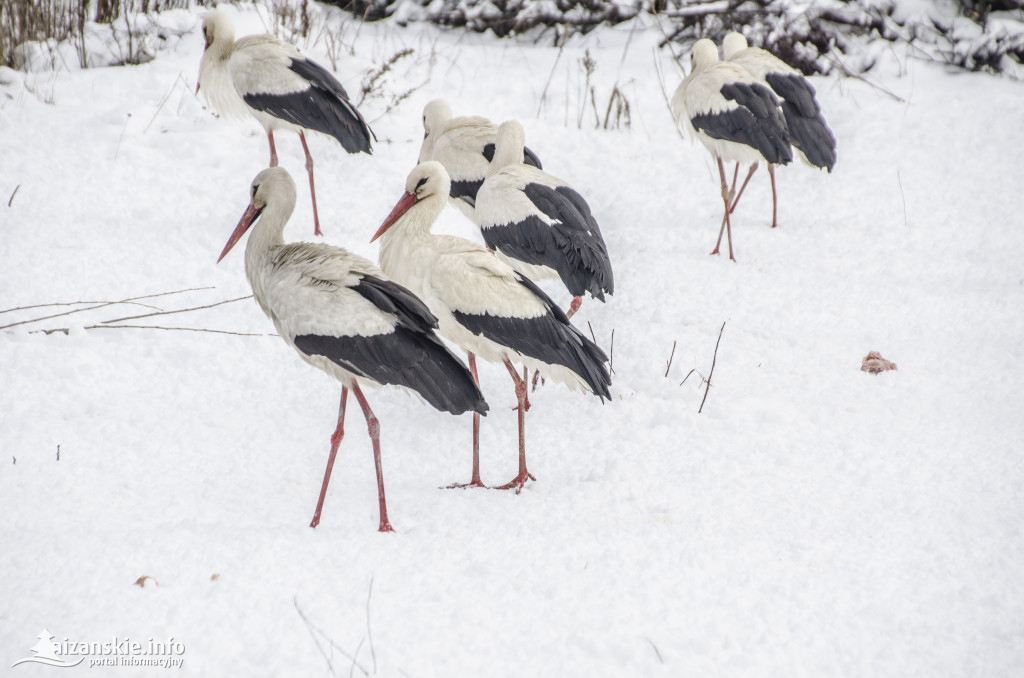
(407,247)
(223,41)
(507,151)
(215,79)
(266,237)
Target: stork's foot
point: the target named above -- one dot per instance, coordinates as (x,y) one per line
(476,482)
(536,378)
(517,483)
(385,526)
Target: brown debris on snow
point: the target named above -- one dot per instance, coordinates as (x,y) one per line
(874,363)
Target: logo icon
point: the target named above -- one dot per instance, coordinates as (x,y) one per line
(46,652)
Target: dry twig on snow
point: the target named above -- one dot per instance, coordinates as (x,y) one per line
(714,359)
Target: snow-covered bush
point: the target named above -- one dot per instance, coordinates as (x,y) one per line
(55,34)
(817,36)
(813,35)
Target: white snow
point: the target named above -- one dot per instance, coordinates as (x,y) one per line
(814,520)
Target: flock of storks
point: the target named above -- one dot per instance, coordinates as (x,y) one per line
(385,325)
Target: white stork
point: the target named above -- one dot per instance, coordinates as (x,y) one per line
(811,135)
(465,146)
(270,80)
(482,304)
(735,117)
(346,318)
(540,225)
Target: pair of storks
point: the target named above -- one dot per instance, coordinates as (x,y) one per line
(364,324)
(748,109)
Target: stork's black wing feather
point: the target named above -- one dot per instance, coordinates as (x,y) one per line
(412,355)
(757,122)
(324,107)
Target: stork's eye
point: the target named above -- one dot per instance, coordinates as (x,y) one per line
(255,188)
(420,183)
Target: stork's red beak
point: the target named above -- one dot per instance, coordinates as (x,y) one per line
(407,201)
(251,214)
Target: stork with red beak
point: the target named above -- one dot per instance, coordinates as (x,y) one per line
(344,316)
(482,304)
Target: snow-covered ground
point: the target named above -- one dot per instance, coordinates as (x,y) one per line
(814,520)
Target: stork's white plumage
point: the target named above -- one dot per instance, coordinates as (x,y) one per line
(465,146)
(539,224)
(481,303)
(811,135)
(343,316)
(263,77)
(735,118)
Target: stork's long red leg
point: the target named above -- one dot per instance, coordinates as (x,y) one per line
(736,200)
(726,225)
(524,475)
(312,188)
(526,394)
(475,480)
(771,173)
(373,426)
(273,148)
(339,433)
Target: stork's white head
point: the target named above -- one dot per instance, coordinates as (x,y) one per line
(218,29)
(733,44)
(508,145)
(435,114)
(426,188)
(272,187)
(703,54)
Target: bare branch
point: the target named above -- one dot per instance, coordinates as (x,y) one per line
(13,194)
(611,354)
(67,330)
(664,94)
(72,303)
(102,305)
(352,669)
(180,310)
(369,633)
(670,356)
(656,650)
(544,93)
(313,629)
(856,76)
(714,359)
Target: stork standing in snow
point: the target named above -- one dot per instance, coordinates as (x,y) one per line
(736,118)
(346,318)
(482,304)
(540,225)
(465,146)
(811,135)
(270,80)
